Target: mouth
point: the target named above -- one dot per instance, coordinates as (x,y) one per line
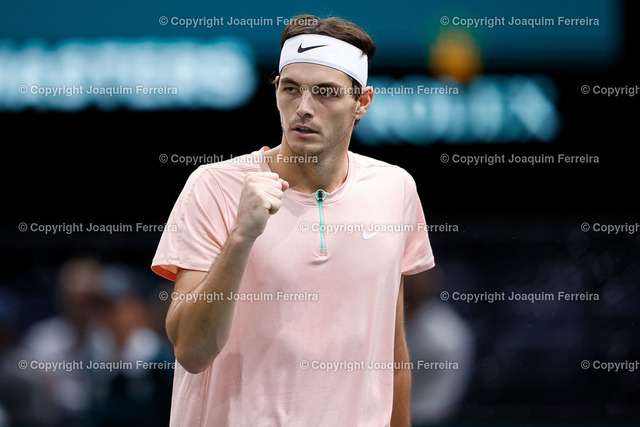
(304,130)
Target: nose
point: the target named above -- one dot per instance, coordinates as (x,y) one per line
(305,107)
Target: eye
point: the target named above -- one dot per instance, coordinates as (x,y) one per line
(290,89)
(327,92)
(330,93)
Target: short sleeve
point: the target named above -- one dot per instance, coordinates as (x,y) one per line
(418,255)
(196,229)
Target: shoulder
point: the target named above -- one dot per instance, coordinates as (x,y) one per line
(225,173)
(369,167)
(239,165)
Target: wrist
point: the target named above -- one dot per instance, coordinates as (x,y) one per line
(240,238)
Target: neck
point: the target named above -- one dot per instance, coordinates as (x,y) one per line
(308,173)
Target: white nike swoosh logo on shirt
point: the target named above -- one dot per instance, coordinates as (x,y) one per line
(367,236)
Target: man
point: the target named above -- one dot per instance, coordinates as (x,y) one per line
(288,262)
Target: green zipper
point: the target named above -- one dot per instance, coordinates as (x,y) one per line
(320,196)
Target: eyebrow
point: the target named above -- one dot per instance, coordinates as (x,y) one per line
(288,80)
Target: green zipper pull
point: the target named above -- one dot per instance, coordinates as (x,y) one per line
(320,196)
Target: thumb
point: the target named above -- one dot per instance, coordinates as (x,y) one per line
(285,184)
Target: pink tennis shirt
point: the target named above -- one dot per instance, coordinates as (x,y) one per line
(312,341)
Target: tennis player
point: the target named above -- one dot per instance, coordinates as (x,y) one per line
(288,262)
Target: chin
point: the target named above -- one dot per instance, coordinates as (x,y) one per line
(300,146)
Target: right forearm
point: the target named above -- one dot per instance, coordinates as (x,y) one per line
(199,326)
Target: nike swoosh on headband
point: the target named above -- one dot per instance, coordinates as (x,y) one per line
(336,54)
(304,49)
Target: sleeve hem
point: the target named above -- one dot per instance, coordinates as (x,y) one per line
(419,267)
(169,270)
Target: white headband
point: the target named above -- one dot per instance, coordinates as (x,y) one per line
(327,51)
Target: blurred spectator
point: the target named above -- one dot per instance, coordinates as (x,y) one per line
(115,368)
(436,333)
(132,383)
(15,390)
(61,396)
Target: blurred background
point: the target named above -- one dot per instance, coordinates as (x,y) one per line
(107,107)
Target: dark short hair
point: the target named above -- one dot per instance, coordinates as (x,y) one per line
(335,27)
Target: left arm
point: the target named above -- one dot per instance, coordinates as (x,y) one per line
(401,412)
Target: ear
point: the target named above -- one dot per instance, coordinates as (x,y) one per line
(364,102)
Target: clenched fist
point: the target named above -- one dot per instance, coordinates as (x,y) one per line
(261,197)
